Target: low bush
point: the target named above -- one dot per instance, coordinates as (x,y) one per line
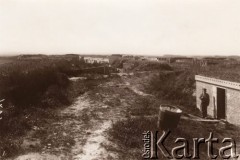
(139,65)
(145,106)
(26,88)
(150,66)
(177,87)
(32,90)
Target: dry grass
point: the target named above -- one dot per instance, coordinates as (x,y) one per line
(126,135)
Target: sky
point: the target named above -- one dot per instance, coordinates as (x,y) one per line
(153,27)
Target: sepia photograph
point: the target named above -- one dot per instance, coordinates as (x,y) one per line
(119,79)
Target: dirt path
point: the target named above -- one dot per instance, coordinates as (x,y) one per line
(79,131)
(92,149)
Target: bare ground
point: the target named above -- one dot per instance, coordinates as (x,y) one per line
(81,131)
(78,132)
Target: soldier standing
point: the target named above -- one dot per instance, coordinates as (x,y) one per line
(204,102)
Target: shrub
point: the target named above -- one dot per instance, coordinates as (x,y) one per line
(177,86)
(149,66)
(26,84)
(26,88)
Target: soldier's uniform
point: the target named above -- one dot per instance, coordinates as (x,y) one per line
(204,104)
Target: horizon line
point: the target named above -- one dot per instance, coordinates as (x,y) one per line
(105,53)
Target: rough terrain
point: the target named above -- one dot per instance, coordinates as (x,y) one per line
(79,131)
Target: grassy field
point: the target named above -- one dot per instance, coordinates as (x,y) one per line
(37,93)
(33,90)
(177,88)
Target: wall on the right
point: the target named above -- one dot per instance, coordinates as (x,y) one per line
(232,101)
(233,106)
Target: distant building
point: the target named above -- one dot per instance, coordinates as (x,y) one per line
(224,98)
(128,56)
(152,59)
(92,60)
(176,60)
(163,60)
(146,58)
(200,62)
(181,60)
(210,61)
(213,61)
